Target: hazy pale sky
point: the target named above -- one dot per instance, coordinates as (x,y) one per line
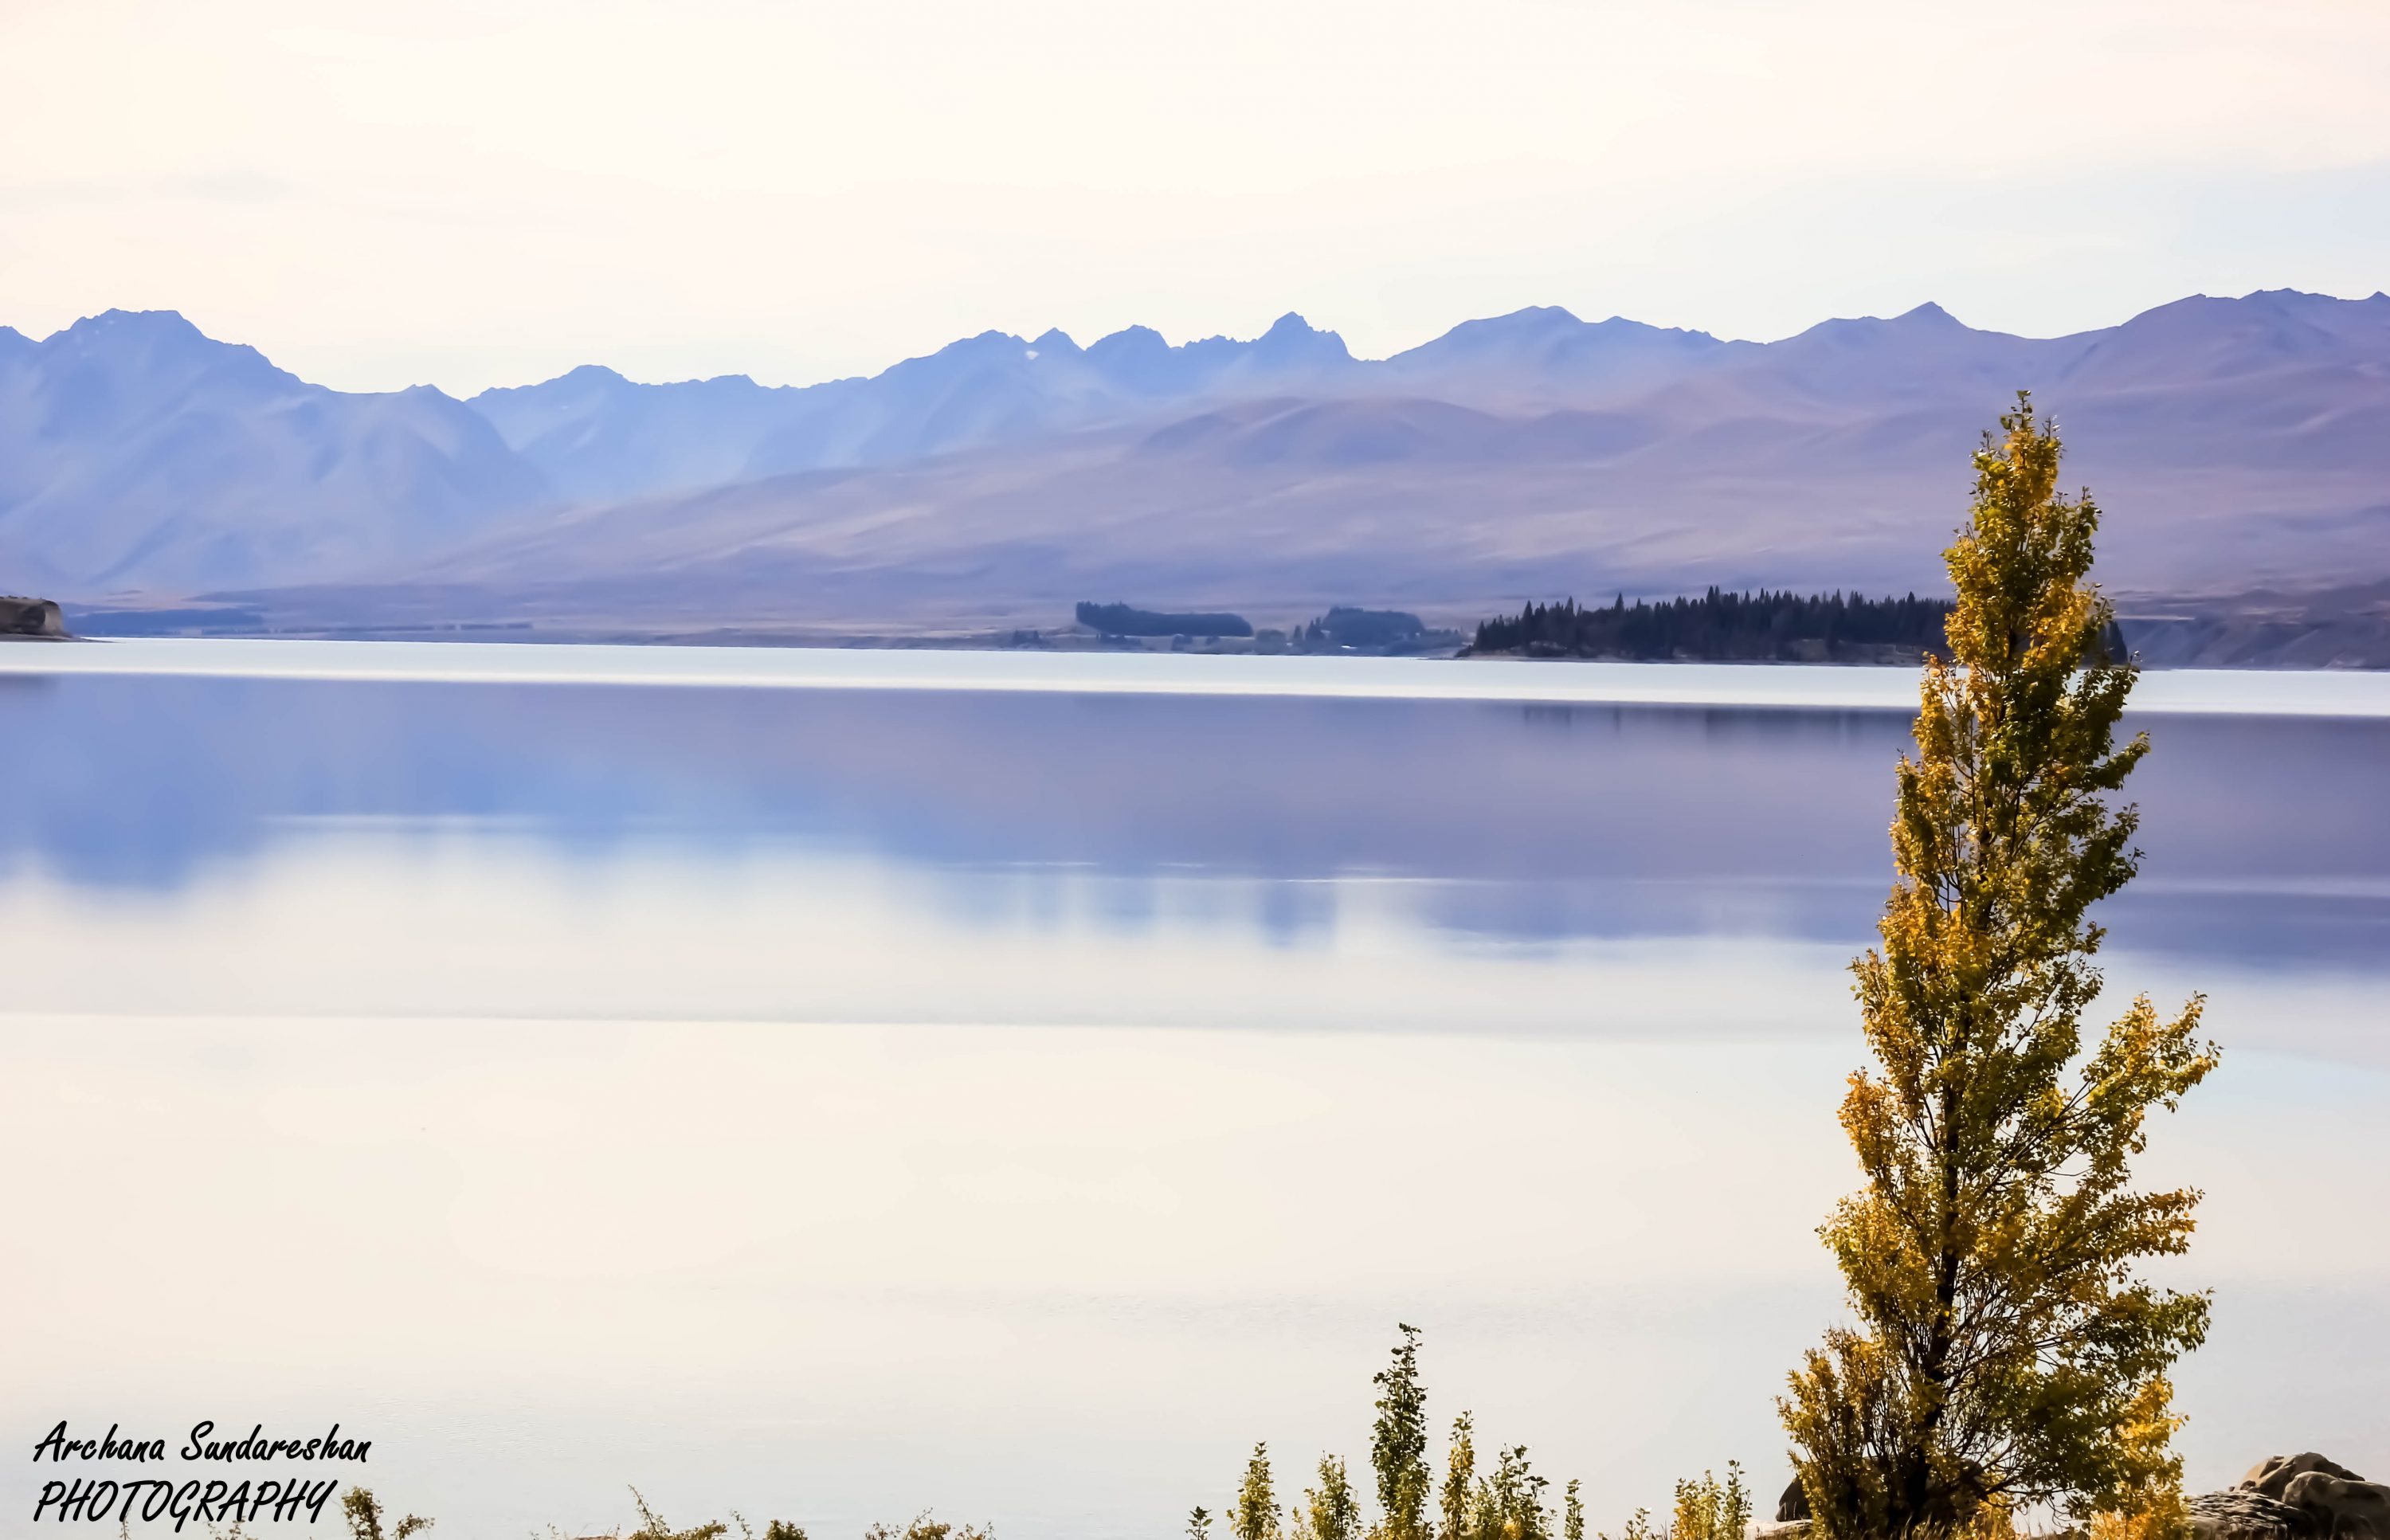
(475,192)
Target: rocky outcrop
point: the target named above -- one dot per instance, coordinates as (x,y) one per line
(31,617)
(2343,1509)
(2295,1497)
(2239,1515)
(2271,1477)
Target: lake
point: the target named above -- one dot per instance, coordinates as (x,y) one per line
(832,1085)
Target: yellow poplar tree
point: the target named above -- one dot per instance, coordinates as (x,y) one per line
(1330,1509)
(1398,1443)
(1459,1476)
(2005,1354)
(1255,1515)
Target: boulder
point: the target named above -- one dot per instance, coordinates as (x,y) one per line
(1794,1505)
(2294,1497)
(2343,1509)
(2272,1475)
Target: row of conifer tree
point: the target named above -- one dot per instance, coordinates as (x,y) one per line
(1718,625)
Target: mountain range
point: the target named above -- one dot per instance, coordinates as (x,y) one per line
(2239,447)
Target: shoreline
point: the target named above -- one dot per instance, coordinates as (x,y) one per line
(1813,687)
(1036,643)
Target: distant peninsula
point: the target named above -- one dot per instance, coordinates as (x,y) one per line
(1121,620)
(1725,627)
(38,620)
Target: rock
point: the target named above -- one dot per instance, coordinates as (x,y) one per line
(1794,1505)
(31,617)
(2295,1497)
(2273,1475)
(2341,1509)
(2243,1514)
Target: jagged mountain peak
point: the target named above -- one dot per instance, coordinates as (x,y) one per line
(153,343)
(143,455)
(1292,324)
(1626,323)
(1293,340)
(141,322)
(1129,337)
(1540,316)
(1550,353)
(1918,321)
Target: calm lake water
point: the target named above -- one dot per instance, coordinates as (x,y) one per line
(834,1084)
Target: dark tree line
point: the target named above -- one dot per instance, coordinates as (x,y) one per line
(1344,626)
(1122,620)
(1720,625)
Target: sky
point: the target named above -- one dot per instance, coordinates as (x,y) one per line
(476,192)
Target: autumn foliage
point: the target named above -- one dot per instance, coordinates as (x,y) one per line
(2006,1355)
